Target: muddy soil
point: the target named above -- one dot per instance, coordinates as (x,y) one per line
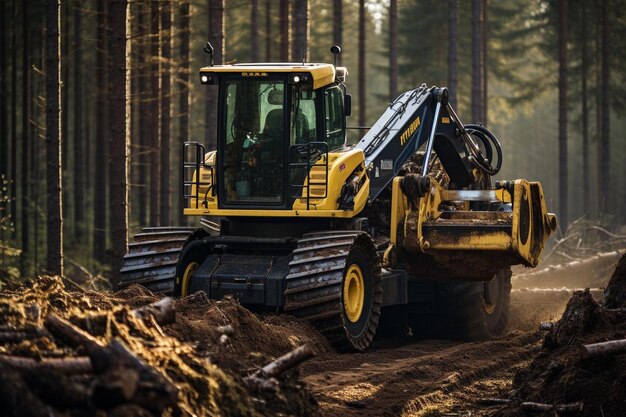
(408,377)
(402,376)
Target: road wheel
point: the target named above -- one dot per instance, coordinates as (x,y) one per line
(475,310)
(189,261)
(361,297)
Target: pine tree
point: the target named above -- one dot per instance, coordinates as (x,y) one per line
(120,133)
(54,212)
(166,116)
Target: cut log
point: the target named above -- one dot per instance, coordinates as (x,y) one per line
(285,362)
(606,348)
(546,326)
(572,408)
(163,311)
(17,336)
(77,365)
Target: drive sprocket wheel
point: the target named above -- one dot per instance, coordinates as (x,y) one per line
(334,282)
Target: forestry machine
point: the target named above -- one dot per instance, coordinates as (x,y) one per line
(407,221)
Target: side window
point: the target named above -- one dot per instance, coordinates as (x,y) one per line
(335,129)
(303,116)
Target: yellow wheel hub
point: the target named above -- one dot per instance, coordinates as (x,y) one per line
(353,293)
(189,270)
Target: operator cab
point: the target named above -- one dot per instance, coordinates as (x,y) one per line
(274,122)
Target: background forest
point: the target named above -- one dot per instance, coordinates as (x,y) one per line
(98,95)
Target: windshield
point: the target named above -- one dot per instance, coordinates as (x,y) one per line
(254,140)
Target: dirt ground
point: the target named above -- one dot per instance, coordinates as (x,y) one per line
(209,363)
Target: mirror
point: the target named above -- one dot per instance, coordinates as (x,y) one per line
(347,105)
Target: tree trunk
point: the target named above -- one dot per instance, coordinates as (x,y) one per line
(585,113)
(64,82)
(13,175)
(184,91)
(24,177)
(483,57)
(100,183)
(154,113)
(254,31)
(284,30)
(338,26)
(300,30)
(476,62)
(603,144)
(79,152)
(120,132)
(362,98)
(54,214)
(216,37)
(165,92)
(453,60)
(4,145)
(563,180)
(268,31)
(143,116)
(393,49)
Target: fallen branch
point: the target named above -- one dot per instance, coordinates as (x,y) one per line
(163,311)
(605,348)
(576,407)
(494,401)
(16,336)
(77,365)
(285,362)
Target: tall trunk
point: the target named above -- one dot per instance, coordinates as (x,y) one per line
(13,190)
(393,49)
(362,98)
(120,132)
(483,57)
(166,55)
(4,145)
(300,31)
(143,116)
(476,62)
(184,74)
(599,206)
(563,180)
(603,150)
(284,30)
(268,31)
(453,59)
(585,112)
(64,99)
(24,177)
(254,31)
(54,217)
(216,37)
(338,26)
(100,183)
(78,148)
(154,112)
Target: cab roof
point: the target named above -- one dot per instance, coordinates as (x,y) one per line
(322,74)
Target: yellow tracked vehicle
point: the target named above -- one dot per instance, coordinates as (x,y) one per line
(292,218)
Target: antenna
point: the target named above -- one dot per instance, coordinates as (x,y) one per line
(335,50)
(210,51)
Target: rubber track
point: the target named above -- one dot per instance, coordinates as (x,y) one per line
(314,286)
(151,259)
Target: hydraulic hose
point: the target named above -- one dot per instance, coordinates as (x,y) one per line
(491,145)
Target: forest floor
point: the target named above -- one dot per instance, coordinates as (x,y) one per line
(200,362)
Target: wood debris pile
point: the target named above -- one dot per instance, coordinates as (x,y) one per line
(581,369)
(133,354)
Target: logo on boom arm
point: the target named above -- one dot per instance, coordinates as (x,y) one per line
(406,135)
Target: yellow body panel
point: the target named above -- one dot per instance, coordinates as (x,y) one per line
(340,166)
(323,74)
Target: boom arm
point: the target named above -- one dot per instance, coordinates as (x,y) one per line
(417,117)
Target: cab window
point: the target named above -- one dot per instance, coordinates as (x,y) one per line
(303,115)
(335,129)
